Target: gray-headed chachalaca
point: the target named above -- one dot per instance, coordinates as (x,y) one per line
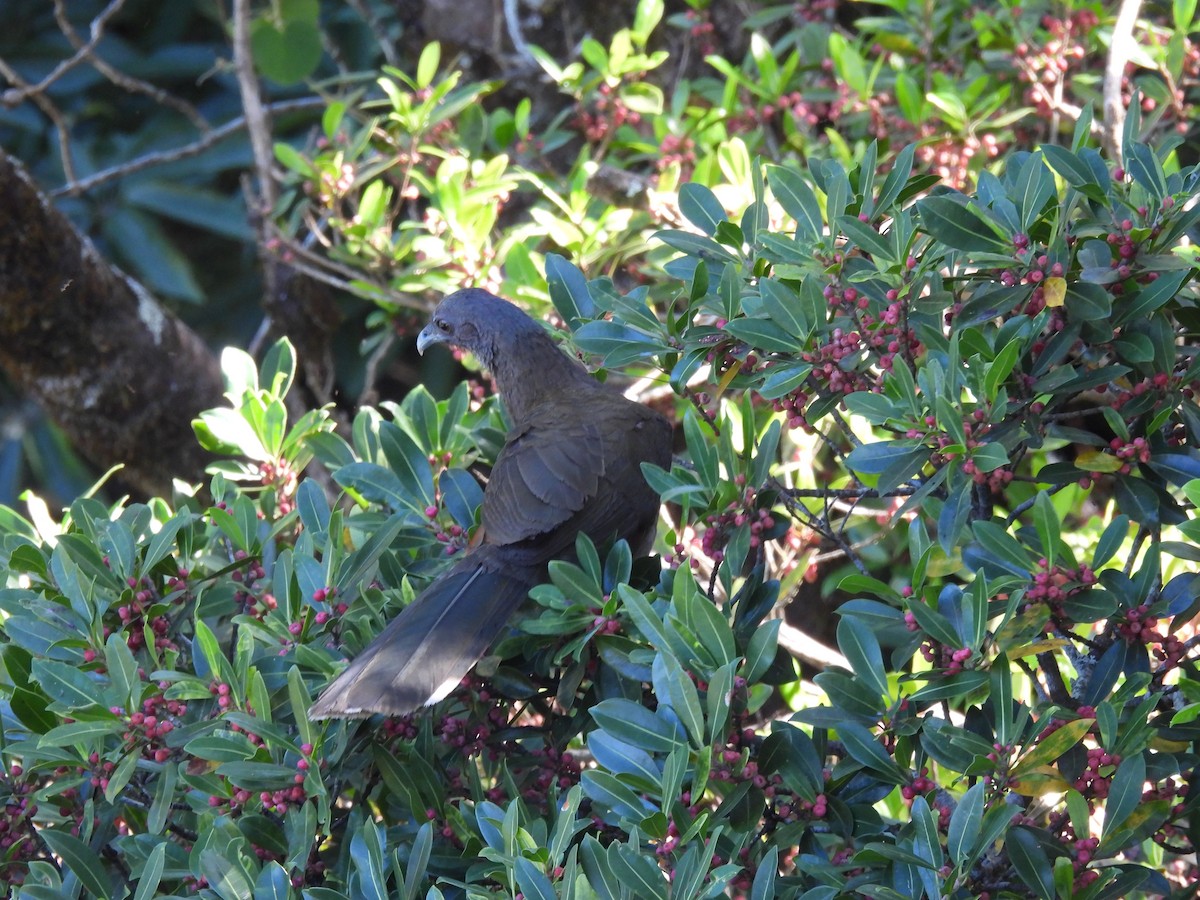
(571,464)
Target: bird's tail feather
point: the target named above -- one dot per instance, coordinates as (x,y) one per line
(426,650)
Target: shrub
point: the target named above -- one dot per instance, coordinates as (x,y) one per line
(995,396)
(969,419)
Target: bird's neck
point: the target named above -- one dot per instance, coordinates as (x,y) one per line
(532,370)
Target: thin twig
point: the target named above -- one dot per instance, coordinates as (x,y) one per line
(258,120)
(214,136)
(367,14)
(82,51)
(49,110)
(120,79)
(512,21)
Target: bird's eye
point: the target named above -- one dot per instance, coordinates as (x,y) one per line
(443,326)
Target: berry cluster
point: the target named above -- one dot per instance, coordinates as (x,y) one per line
(149,726)
(1045,67)
(740,512)
(1139,627)
(1052,586)
(18,836)
(237,799)
(953,158)
(951,661)
(143,611)
(681,151)
(280,475)
(598,121)
(701,30)
(1096,778)
(248,598)
(975,428)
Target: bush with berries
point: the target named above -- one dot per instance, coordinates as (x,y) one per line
(983,405)
(958,427)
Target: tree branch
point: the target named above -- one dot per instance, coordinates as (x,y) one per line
(1119,52)
(119,374)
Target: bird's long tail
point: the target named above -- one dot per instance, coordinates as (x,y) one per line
(426,650)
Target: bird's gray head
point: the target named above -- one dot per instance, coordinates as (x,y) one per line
(472,319)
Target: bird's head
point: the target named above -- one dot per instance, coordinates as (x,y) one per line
(472,319)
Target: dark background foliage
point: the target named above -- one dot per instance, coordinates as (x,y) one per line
(917,283)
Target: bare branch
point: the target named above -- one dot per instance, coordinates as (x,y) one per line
(118,373)
(1119,52)
(258,120)
(82,51)
(120,79)
(49,110)
(161,157)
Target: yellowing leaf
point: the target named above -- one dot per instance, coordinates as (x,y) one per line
(1051,747)
(1035,648)
(1092,460)
(1054,291)
(1039,781)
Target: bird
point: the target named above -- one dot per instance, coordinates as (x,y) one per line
(570,465)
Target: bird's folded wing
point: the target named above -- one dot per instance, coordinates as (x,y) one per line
(546,473)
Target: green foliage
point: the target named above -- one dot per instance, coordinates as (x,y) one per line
(968,416)
(159,659)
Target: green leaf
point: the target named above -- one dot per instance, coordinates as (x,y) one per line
(366,855)
(784,308)
(609,791)
(760,651)
(375,483)
(72,688)
(1030,861)
(799,201)
(640,873)
(861,648)
(1000,368)
(1053,746)
(141,244)
(1143,165)
(220,214)
(958,226)
(617,343)
(272,883)
(533,881)
(427,64)
(151,875)
(850,65)
(569,291)
(1125,792)
(1045,520)
(680,694)
(634,724)
(1003,547)
(701,207)
(763,887)
(963,833)
(866,238)
(81,732)
(1111,540)
(286,51)
(695,245)
(411,463)
(763,334)
(865,749)
(79,859)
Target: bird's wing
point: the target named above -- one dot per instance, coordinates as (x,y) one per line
(576,469)
(549,469)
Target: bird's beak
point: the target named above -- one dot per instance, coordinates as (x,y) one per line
(428,336)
